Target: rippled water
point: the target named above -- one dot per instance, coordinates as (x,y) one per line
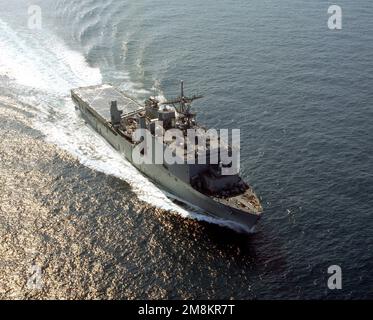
(300,93)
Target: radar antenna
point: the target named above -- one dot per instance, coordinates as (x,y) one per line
(183,106)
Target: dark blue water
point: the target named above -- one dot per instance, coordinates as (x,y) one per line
(300,93)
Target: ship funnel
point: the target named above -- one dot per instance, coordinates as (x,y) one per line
(142,122)
(115,114)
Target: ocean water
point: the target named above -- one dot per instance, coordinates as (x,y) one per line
(301,95)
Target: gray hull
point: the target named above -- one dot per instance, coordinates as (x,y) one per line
(168,182)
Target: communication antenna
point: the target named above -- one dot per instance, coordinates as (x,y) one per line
(182,105)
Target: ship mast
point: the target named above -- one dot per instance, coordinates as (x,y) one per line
(182,105)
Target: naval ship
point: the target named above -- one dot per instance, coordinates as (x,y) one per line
(115,116)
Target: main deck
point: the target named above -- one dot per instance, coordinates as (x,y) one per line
(98,98)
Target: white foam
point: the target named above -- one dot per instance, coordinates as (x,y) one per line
(41,60)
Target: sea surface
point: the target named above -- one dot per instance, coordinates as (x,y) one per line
(84,224)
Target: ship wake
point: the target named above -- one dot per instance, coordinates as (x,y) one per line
(38,70)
